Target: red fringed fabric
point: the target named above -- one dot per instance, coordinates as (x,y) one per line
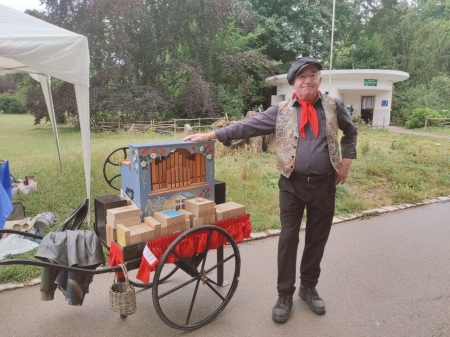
(239,228)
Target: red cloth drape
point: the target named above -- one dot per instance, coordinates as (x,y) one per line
(239,228)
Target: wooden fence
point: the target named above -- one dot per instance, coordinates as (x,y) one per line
(445,121)
(163,127)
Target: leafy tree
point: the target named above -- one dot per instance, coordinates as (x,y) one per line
(434,95)
(165,50)
(197,58)
(367,54)
(303,27)
(7,84)
(414,39)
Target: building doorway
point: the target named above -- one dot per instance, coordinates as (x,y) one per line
(367,105)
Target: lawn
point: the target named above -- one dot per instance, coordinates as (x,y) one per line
(390,169)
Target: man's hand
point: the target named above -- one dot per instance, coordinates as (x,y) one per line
(201,137)
(341,177)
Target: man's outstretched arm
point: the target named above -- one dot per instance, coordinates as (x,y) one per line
(201,137)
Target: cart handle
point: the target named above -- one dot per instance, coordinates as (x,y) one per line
(13,231)
(61,267)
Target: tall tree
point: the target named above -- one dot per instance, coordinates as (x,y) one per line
(167,48)
(303,27)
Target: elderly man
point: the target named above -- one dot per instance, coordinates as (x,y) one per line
(306,129)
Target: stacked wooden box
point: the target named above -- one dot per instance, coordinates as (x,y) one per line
(167,222)
(189,216)
(124,225)
(132,235)
(204,211)
(229,210)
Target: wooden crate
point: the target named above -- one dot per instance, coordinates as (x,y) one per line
(229,210)
(135,234)
(123,212)
(198,204)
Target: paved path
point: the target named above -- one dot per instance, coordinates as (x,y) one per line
(401,129)
(387,275)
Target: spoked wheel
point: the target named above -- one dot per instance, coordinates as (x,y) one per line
(113,160)
(166,273)
(194,298)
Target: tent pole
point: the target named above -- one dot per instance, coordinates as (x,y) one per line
(46,88)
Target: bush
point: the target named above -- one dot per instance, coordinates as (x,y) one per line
(10,105)
(233,102)
(357,120)
(400,116)
(417,118)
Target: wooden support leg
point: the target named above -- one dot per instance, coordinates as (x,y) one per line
(220,268)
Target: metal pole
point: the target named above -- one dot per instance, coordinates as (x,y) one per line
(331,46)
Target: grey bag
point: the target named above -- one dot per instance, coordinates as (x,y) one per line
(18,212)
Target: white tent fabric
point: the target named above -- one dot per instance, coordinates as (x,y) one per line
(33,46)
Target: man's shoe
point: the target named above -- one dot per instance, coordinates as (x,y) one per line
(313,300)
(281,310)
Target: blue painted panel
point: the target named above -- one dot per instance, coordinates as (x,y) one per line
(144,159)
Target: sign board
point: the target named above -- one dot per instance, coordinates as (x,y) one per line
(370,82)
(384,103)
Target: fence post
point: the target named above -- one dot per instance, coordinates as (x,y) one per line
(174,127)
(426,122)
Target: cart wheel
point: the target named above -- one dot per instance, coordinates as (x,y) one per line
(192,299)
(113,159)
(166,274)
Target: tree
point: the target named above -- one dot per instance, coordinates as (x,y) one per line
(168,49)
(367,54)
(303,27)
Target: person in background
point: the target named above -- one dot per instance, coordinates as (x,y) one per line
(310,166)
(350,110)
(260,108)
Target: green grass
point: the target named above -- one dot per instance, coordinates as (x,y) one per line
(438,130)
(391,169)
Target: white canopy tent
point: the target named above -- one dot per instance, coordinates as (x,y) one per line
(33,46)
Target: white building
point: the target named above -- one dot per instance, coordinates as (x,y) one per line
(369,91)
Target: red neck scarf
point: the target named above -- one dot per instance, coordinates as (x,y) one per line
(308,114)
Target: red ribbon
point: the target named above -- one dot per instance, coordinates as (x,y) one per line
(115,257)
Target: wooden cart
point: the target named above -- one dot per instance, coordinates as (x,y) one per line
(201,281)
(198,269)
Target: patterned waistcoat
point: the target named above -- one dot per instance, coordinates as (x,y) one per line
(287,134)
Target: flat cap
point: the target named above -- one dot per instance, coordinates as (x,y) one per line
(299,64)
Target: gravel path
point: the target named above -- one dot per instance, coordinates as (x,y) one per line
(400,129)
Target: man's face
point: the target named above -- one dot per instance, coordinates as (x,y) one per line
(307,83)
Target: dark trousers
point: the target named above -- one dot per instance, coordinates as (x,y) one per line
(318,197)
